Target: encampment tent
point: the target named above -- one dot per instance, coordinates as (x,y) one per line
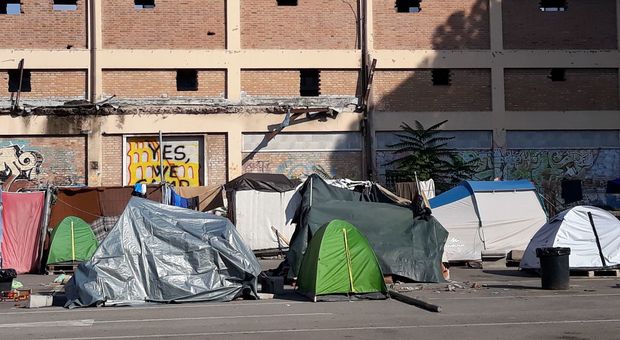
(592,234)
(162,253)
(406,244)
(339,260)
(496,216)
(72,240)
(261,204)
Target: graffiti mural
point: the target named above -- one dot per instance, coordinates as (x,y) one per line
(18,164)
(545,168)
(182,160)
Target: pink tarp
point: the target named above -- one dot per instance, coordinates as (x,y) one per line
(21,216)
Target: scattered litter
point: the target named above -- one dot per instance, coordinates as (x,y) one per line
(475,285)
(450,288)
(589,290)
(16,284)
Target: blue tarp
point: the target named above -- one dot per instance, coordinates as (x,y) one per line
(467,188)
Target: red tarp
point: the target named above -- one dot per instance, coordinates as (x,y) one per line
(21,216)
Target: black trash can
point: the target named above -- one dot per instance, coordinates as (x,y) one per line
(554,270)
(6,279)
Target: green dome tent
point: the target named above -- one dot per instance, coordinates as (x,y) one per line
(339,260)
(72,240)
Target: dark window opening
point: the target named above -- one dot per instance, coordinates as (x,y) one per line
(309,83)
(187,80)
(14,81)
(571,190)
(10,7)
(408,6)
(553,5)
(143,4)
(287,2)
(441,76)
(557,74)
(64,5)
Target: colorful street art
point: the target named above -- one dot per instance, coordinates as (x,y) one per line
(18,164)
(182,166)
(546,168)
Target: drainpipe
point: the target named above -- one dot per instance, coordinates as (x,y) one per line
(366,120)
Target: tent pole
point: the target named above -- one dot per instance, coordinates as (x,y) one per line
(72,243)
(598,242)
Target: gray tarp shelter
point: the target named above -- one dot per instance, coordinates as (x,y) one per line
(406,244)
(161,253)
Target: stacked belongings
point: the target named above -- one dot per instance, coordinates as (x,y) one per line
(340,262)
(592,234)
(408,243)
(162,253)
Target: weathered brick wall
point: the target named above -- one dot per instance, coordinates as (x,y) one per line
(39,26)
(315,24)
(112,160)
(285,83)
(43,160)
(440,25)
(413,90)
(586,24)
(70,84)
(188,24)
(340,164)
(217,164)
(584,89)
(160,84)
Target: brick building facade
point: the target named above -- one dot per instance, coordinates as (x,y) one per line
(220,73)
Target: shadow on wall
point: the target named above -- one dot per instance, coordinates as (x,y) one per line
(427,92)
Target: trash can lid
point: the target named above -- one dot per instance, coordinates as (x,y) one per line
(552,251)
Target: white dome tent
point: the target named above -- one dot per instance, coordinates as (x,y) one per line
(592,234)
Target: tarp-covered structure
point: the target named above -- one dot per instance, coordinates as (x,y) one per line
(21,230)
(161,253)
(497,216)
(262,204)
(406,243)
(592,234)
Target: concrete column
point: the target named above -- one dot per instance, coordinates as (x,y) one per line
(497,73)
(235,147)
(618,33)
(370,25)
(96,45)
(495,25)
(233,43)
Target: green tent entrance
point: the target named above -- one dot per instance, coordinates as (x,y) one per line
(73,240)
(340,261)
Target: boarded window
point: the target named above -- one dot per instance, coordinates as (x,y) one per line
(309,83)
(11,7)
(408,6)
(64,5)
(187,80)
(14,76)
(553,5)
(557,74)
(441,76)
(143,4)
(287,2)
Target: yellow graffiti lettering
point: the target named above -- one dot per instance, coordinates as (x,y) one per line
(143,165)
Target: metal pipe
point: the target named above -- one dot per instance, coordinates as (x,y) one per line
(161,158)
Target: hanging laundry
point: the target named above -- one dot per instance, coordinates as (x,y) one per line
(21,217)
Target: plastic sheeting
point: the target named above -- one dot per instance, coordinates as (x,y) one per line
(161,253)
(262,182)
(21,217)
(572,228)
(494,216)
(406,245)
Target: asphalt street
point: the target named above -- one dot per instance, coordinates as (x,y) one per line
(507,305)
